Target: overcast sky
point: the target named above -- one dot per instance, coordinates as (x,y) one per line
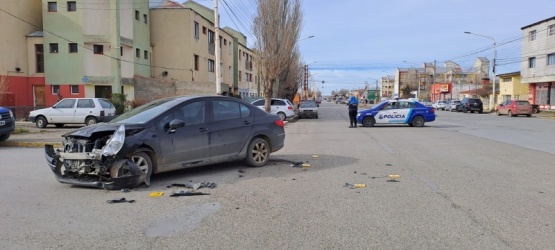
(358,41)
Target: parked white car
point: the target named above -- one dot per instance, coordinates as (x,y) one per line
(282,107)
(74,111)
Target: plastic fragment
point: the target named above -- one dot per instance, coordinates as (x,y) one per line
(187,193)
(156,194)
(121,200)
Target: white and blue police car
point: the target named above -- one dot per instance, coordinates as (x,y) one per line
(409,112)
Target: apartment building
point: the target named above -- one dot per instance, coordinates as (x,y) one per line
(94,48)
(537,68)
(22,63)
(387,86)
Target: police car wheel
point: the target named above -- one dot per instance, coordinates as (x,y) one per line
(418,121)
(368,121)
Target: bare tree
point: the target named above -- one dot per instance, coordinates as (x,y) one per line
(276,28)
(289,80)
(4,82)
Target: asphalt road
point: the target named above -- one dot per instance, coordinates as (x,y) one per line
(467,181)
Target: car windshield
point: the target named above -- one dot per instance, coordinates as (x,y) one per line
(144,113)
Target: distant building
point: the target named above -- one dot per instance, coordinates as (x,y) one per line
(537,68)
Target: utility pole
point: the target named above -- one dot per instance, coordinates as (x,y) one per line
(305,88)
(217,44)
(494,100)
(115,46)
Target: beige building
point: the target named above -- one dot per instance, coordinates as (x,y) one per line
(387,86)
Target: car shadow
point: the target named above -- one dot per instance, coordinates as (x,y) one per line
(232,172)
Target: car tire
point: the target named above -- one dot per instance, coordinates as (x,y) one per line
(41,122)
(535,110)
(316,116)
(282,116)
(481,111)
(497,112)
(59,125)
(528,115)
(368,121)
(258,153)
(90,121)
(4,137)
(464,110)
(418,121)
(510,113)
(144,162)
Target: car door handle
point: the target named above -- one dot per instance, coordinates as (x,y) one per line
(202,129)
(246,122)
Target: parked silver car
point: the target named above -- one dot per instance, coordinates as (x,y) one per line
(440,104)
(452,105)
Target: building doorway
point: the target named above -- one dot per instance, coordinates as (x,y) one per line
(103,92)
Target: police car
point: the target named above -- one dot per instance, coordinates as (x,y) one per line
(409,112)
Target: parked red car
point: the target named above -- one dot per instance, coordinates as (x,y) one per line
(514,108)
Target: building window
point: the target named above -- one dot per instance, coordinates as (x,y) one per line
(145,18)
(39,57)
(53,48)
(225,42)
(507,79)
(196,62)
(210,65)
(137,15)
(146,54)
(138,53)
(531,62)
(55,89)
(121,51)
(74,89)
(196,30)
(551,30)
(532,35)
(240,76)
(551,59)
(211,36)
(203,30)
(98,49)
(52,7)
(72,48)
(71,6)
(229,72)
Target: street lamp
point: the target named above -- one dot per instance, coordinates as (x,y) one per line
(305,38)
(492,102)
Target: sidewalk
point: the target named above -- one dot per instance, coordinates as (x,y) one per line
(34,137)
(28,135)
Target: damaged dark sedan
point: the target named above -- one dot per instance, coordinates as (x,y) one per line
(163,135)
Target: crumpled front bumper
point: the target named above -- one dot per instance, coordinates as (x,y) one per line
(133,179)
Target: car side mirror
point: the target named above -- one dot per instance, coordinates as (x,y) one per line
(174,125)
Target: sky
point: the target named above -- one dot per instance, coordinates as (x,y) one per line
(359,41)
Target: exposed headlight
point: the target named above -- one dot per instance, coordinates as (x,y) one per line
(11,114)
(114,144)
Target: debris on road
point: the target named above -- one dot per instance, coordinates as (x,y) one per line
(353,186)
(156,194)
(315,156)
(393,177)
(121,200)
(194,186)
(187,193)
